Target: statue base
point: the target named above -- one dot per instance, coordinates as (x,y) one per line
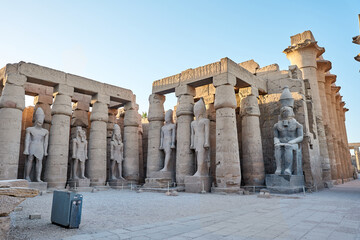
(118,183)
(223,190)
(161,179)
(41,186)
(79,183)
(195,184)
(284,183)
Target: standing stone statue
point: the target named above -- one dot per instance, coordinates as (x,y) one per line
(167,141)
(200,138)
(79,153)
(288,133)
(116,154)
(36,144)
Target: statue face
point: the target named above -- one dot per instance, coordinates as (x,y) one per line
(117,132)
(286,112)
(83,135)
(169,116)
(199,109)
(39,117)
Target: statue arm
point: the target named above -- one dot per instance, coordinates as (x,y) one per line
(112,150)
(74,148)
(207,134)
(192,137)
(299,133)
(27,142)
(161,139)
(276,135)
(46,142)
(173,136)
(85,150)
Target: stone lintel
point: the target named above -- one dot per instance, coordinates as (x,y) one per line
(184,89)
(250,65)
(272,67)
(98,97)
(15,78)
(51,77)
(48,99)
(203,75)
(323,65)
(63,89)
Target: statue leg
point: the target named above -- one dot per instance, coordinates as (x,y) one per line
(120,170)
(200,161)
(75,168)
(28,166)
(288,159)
(38,169)
(167,159)
(278,159)
(112,169)
(82,169)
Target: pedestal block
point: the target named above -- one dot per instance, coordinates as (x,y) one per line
(284,183)
(41,186)
(161,179)
(118,183)
(195,184)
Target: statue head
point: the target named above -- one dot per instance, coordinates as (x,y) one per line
(169,116)
(116,132)
(286,98)
(39,117)
(199,109)
(286,113)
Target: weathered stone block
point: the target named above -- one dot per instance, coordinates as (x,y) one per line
(100,98)
(16,79)
(41,186)
(64,89)
(47,99)
(224,79)
(195,184)
(284,183)
(184,89)
(79,183)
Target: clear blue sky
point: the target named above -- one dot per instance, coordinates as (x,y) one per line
(132,43)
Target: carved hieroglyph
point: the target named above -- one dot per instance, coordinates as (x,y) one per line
(36,144)
(117,154)
(167,140)
(200,139)
(288,133)
(79,153)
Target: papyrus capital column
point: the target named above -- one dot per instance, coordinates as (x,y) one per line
(185,115)
(228,174)
(96,165)
(12,103)
(131,143)
(156,117)
(57,161)
(252,162)
(303,53)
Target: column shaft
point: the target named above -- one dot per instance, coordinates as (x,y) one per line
(252,163)
(184,112)
(156,121)
(12,103)
(57,161)
(131,143)
(228,173)
(96,164)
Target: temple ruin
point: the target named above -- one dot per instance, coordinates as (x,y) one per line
(242,107)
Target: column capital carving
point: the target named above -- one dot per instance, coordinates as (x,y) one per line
(99,112)
(156,107)
(249,106)
(184,90)
(225,97)
(185,106)
(63,89)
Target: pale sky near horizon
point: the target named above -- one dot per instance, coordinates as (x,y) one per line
(133,43)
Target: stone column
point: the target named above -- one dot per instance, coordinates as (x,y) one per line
(357,157)
(228,173)
(252,162)
(303,53)
(343,110)
(185,115)
(57,160)
(96,164)
(131,143)
(329,80)
(334,90)
(324,66)
(156,121)
(110,128)
(339,134)
(12,103)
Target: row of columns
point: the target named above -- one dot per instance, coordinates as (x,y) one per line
(12,103)
(331,132)
(227,160)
